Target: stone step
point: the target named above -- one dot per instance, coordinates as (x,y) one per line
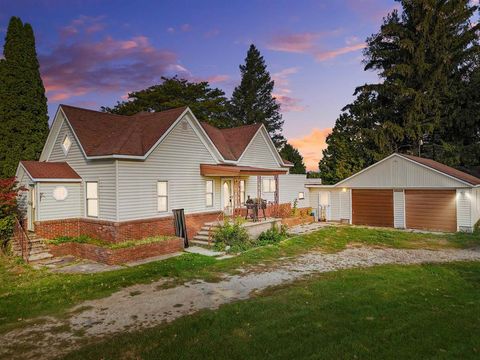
(202,237)
(204,233)
(33,247)
(39,256)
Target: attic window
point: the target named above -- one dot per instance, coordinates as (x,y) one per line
(66,144)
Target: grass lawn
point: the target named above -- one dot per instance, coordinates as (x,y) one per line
(26,293)
(387,312)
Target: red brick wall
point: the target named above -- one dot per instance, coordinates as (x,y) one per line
(118,256)
(121,231)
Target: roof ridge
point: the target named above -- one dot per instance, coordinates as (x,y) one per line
(120,115)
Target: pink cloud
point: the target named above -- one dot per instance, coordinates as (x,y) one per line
(307,43)
(371,10)
(186,27)
(212,33)
(83,66)
(87,24)
(311,146)
(295,43)
(282,90)
(331,54)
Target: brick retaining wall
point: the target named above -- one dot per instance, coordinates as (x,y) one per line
(121,231)
(118,256)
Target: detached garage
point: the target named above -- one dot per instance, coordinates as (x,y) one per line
(403,191)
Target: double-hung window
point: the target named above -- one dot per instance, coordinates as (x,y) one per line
(209,193)
(92,198)
(242,192)
(162,194)
(268,185)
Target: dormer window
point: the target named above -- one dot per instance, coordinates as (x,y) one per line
(66,144)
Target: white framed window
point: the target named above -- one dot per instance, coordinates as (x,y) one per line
(209,193)
(66,144)
(162,196)
(301,195)
(268,185)
(242,192)
(92,198)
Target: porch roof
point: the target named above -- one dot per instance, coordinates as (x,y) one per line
(233,170)
(50,171)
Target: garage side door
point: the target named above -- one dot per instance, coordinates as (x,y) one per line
(434,210)
(372,207)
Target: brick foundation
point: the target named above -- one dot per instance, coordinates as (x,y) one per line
(299,220)
(118,256)
(121,231)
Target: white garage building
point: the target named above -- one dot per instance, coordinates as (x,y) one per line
(402,191)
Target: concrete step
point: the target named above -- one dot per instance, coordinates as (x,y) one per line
(201,243)
(204,233)
(39,256)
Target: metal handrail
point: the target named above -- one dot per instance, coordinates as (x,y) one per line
(21,236)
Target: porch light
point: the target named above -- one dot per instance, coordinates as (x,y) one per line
(344,190)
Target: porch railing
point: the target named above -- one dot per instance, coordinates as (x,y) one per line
(21,237)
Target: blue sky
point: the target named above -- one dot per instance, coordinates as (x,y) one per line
(93,52)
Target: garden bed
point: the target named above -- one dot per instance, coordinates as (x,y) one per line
(119,253)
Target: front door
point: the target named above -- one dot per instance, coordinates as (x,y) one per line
(31,211)
(227,196)
(324,206)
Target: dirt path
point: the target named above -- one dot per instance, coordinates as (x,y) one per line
(143,306)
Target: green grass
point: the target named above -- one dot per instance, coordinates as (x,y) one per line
(388,312)
(84,239)
(26,293)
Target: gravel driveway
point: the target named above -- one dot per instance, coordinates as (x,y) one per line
(143,306)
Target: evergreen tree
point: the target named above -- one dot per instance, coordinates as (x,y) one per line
(208,104)
(23,105)
(252,101)
(288,152)
(427,58)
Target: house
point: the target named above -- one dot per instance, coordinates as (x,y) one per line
(403,191)
(119,177)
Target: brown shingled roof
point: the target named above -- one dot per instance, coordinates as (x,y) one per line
(460,175)
(50,170)
(231,142)
(108,134)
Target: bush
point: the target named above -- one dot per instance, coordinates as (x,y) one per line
(273,235)
(231,236)
(9,190)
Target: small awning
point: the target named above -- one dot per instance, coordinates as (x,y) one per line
(233,170)
(40,171)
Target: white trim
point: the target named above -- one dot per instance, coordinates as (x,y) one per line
(50,134)
(97,198)
(270,145)
(163,196)
(213,192)
(117,205)
(58,180)
(65,150)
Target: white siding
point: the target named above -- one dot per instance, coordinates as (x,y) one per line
(258,153)
(22,198)
(102,171)
(464,210)
(475,206)
(398,172)
(177,160)
(290,185)
(399,209)
(51,209)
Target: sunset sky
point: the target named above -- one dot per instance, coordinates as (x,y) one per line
(93,52)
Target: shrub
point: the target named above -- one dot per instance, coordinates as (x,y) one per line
(9,191)
(231,236)
(273,235)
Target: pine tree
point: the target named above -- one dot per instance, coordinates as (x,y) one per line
(23,105)
(427,58)
(252,101)
(288,152)
(208,104)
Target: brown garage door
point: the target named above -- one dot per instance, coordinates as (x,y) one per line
(372,207)
(431,210)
